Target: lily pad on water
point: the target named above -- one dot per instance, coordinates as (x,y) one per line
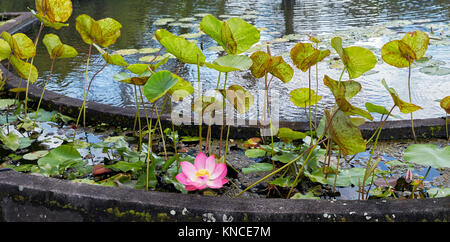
(125,52)
(288,135)
(428,155)
(35,155)
(257,167)
(56,161)
(148,50)
(435,70)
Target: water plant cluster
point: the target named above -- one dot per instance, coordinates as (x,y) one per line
(296,164)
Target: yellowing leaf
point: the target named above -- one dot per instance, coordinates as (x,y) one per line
(23,69)
(103,32)
(304,97)
(445,104)
(404,107)
(56,49)
(54,10)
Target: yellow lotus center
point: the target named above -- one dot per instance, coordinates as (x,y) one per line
(202,172)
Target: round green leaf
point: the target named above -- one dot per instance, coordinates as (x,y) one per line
(158,85)
(428,155)
(23,46)
(54,161)
(418,42)
(445,104)
(5,50)
(288,135)
(230,63)
(56,48)
(391,54)
(23,69)
(301,97)
(181,48)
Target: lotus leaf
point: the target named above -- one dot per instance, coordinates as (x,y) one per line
(288,135)
(345,134)
(56,49)
(445,104)
(239,97)
(404,107)
(428,155)
(304,97)
(235,35)
(230,63)
(342,92)
(263,62)
(103,32)
(23,69)
(357,60)
(54,10)
(158,85)
(304,55)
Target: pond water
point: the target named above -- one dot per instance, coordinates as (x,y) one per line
(284,23)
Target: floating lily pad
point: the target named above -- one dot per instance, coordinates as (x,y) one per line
(148,50)
(435,70)
(288,135)
(35,155)
(257,167)
(428,155)
(126,52)
(188,19)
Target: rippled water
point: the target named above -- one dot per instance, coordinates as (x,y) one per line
(365,23)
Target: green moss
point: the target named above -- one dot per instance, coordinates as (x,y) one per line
(163,217)
(141,216)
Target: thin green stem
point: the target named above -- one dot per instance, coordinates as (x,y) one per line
(421,181)
(43,90)
(138,117)
(410,100)
(201,98)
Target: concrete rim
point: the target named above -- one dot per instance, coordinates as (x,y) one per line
(26,197)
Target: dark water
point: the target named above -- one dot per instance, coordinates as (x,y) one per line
(351,19)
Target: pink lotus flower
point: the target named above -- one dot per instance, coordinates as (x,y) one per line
(203,173)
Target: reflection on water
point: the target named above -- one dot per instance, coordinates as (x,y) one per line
(277,19)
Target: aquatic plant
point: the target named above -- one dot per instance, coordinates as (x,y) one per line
(402,53)
(205,172)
